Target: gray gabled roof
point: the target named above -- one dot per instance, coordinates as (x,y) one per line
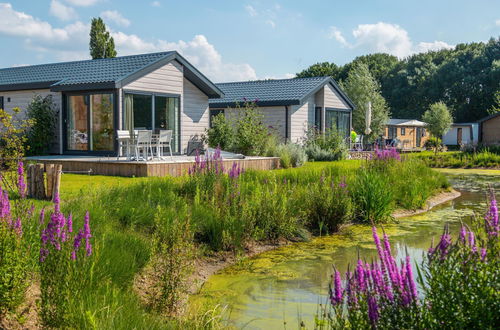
(105,73)
(274,92)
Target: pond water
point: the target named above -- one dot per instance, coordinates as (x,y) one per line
(287,284)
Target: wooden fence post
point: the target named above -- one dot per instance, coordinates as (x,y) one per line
(56,180)
(39,182)
(30,179)
(49,172)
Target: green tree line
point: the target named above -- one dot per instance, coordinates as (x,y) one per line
(466,78)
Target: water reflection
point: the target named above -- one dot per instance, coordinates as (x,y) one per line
(287,284)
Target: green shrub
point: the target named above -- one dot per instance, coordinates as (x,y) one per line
(329,205)
(12,138)
(291,155)
(173,255)
(221,133)
(250,136)
(41,111)
(326,146)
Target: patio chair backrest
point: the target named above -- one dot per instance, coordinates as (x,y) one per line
(122,134)
(144,137)
(165,136)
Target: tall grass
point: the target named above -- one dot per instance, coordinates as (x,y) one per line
(225,214)
(481,159)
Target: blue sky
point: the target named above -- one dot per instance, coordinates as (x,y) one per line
(240,40)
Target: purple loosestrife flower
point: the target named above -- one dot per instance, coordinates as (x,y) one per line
(373,310)
(5,206)
(21,183)
(18,227)
(472,241)
(42,216)
(360,272)
(77,242)
(463,234)
(492,217)
(69,223)
(87,235)
(337,291)
(483,254)
(410,279)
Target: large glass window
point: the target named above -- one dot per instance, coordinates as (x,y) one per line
(101,107)
(89,122)
(77,123)
(167,116)
(339,120)
(153,112)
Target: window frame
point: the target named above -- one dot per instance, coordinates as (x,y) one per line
(153,95)
(403,131)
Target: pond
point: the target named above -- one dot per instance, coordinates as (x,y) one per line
(287,284)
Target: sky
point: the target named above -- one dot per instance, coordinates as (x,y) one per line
(231,40)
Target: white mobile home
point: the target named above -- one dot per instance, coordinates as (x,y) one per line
(95,98)
(290,106)
(463,133)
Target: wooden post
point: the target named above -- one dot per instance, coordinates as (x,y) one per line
(39,182)
(49,171)
(30,180)
(56,180)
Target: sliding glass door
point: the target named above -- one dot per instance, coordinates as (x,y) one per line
(89,122)
(153,111)
(338,119)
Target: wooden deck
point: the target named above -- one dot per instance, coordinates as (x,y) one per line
(112,167)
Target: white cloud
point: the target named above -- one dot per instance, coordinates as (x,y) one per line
(116,17)
(281,76)
(251,10)
(271,23)
(61,11)
(497,22)
(335,33)
(71,43)
(385,38)
(82,3)
(423,47)
(156,4)
(19,24)
(208,60)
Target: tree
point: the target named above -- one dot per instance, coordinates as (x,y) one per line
(496,106)
(438,119)
(362,87)
(102,45)
(321,70)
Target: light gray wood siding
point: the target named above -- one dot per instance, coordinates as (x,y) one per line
(21,100)
(194,114)
(332,99)
(301,118)
(274,117)
(168,79)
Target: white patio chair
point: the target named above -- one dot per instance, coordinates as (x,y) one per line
(123,138)
(143,143)
(358,143)
(164,140)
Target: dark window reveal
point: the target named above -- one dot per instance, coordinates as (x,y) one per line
(403,130)
(1,102)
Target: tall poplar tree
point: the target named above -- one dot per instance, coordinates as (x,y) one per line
(101,43)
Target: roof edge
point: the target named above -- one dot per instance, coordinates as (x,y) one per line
(193,74)
(234,104)
(27,86)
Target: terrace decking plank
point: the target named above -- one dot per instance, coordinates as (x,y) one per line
(113,167)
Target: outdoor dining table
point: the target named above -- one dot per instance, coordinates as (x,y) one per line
(129,142)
